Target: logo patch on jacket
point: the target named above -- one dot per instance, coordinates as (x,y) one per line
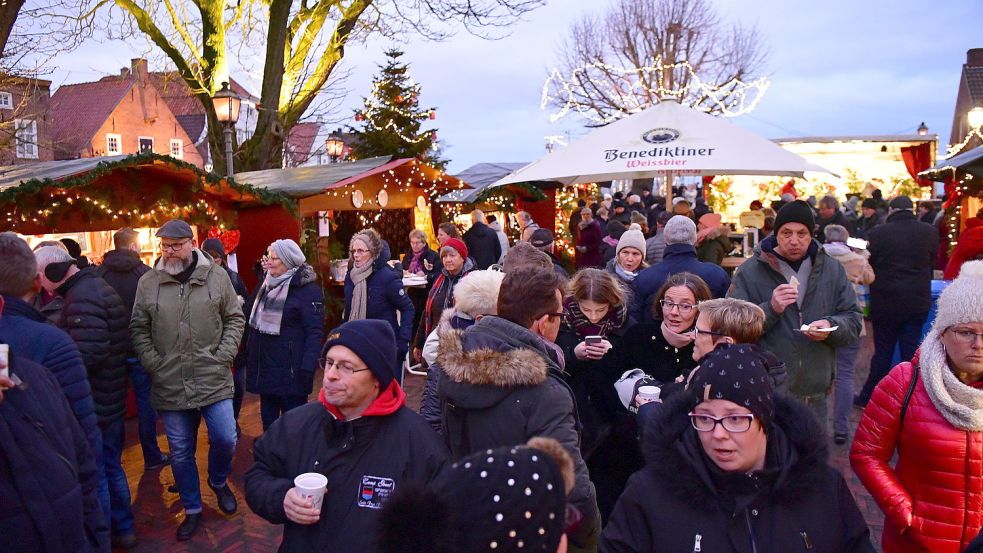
(374,491)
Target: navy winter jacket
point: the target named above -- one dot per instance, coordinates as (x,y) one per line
(48,476)
(678,258)
(30,334)
(122,270)
(285,364)
(386,297)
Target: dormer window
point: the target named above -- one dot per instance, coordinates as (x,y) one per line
(114,144)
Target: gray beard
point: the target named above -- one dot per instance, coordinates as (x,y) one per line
(174,266)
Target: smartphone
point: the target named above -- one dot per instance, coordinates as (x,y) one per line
(593,340)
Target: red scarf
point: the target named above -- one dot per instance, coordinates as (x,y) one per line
(391,399)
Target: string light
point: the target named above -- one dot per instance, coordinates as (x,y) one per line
(565,202)
(629,89)
(376,111)
(957,148)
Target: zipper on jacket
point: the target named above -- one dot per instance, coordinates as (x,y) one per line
(696,543)
(806,541)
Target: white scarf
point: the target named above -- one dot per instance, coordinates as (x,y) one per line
(960,404)
(267,314)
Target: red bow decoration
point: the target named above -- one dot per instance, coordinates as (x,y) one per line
(229,238)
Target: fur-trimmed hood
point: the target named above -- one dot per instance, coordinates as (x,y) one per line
(796,461)
(305,275)
(485,362)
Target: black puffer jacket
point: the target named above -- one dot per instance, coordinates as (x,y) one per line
(95,317)
(498,386)
(681,501)
(122,270)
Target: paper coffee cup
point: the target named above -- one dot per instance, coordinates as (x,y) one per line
(650,393)
(311,486)
(5,360)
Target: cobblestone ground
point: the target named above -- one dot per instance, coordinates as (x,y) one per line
(159,512)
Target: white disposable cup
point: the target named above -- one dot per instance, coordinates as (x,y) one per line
(650,393)
(5,360)
(311,486)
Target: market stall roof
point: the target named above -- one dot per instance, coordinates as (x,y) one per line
(15,175)
(480,177)
(970,162)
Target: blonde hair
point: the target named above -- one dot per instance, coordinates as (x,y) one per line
(741,320)
(597,286)
(418,234)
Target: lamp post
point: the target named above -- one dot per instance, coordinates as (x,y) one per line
(975,118)
(922,129)
(227,103)
(334,146)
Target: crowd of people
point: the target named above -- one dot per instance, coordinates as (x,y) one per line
(640,398)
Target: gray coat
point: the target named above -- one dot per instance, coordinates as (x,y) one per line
(829,295)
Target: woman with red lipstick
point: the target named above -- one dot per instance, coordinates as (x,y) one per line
(732,467)
(930,411)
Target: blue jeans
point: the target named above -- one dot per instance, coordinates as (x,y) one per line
(146,416)
(904,331)
(846,359)
(103,491)
(121,515)
(181,428)
(272,406)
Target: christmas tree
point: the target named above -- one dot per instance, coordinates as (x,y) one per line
(392,118)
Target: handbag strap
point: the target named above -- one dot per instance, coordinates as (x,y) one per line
(907,396)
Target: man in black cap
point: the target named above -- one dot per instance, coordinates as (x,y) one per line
(186,326)
(359,435)
(542,240)
(810,306)
(902,253)
(869,218)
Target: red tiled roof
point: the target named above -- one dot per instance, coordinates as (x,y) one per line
(183,103)
(78,110)
(300,142)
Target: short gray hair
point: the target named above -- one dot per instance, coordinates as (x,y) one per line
(836,233)
(51,254)
(524,215)
(680,230)
(18,268)
(829,202)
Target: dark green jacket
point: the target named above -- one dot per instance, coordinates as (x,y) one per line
(187,335)
(829,296)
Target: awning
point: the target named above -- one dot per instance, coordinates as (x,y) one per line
(300,182)
(970,162)
(480,177)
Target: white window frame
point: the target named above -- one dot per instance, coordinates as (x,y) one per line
(119,144)
(140,146)
(26,146)
(177,148)
(6,100)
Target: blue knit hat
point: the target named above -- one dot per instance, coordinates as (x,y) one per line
(373,341)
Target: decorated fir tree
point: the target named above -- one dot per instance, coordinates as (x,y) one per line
(391,118)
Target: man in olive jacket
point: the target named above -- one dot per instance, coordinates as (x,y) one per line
(186,328)
(796,284)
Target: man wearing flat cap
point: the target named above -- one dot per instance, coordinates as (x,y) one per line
(186,326)
(359,435)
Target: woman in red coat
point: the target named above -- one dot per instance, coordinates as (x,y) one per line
(933,497)
(969,247)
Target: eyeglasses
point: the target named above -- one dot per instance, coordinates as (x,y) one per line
(731,423)
(268,259)
(358,251)
(344,368)
(552,315)
(966,336)
(684,308)
(697,331)
(174,246)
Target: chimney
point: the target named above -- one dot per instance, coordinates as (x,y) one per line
(139,68)
(124,72)
(974,57)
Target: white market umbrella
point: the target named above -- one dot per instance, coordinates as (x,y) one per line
(666,140)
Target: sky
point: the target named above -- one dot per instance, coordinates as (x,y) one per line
(839,67)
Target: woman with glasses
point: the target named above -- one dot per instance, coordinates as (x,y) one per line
(930,412)
(591,336)
(733,467)
(663,349)
(455,264)
(286,326)
(374,291)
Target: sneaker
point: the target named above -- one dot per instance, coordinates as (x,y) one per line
(188,527)
(226,499)
(124,541)
(164,461)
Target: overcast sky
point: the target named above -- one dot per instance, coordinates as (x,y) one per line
(838,67)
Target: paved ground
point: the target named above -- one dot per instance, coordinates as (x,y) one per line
(158,512)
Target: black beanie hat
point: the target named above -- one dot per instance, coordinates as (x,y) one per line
(796,212)
(736,373)
(214,245)
(869,203)
(373,341)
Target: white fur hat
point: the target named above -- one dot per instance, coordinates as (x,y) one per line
(962,301)
(477,293)
(631,239)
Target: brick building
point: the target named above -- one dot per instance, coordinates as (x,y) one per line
(25,120)
(115,115)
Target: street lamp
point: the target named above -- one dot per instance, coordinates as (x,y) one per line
(975,117)
(922,129)
(334,146)
(227,103)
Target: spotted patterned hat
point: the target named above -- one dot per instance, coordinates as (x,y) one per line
(736,373)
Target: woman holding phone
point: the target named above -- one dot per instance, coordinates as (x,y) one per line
(595,322)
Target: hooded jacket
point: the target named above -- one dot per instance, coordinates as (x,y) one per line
(385,298)
(122,270)
(366,460)
(483,245)
(285,364)
(677,258)
(187,335)
(902,252)
(682,502)
(94,316)
(829,295)
(498,386)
